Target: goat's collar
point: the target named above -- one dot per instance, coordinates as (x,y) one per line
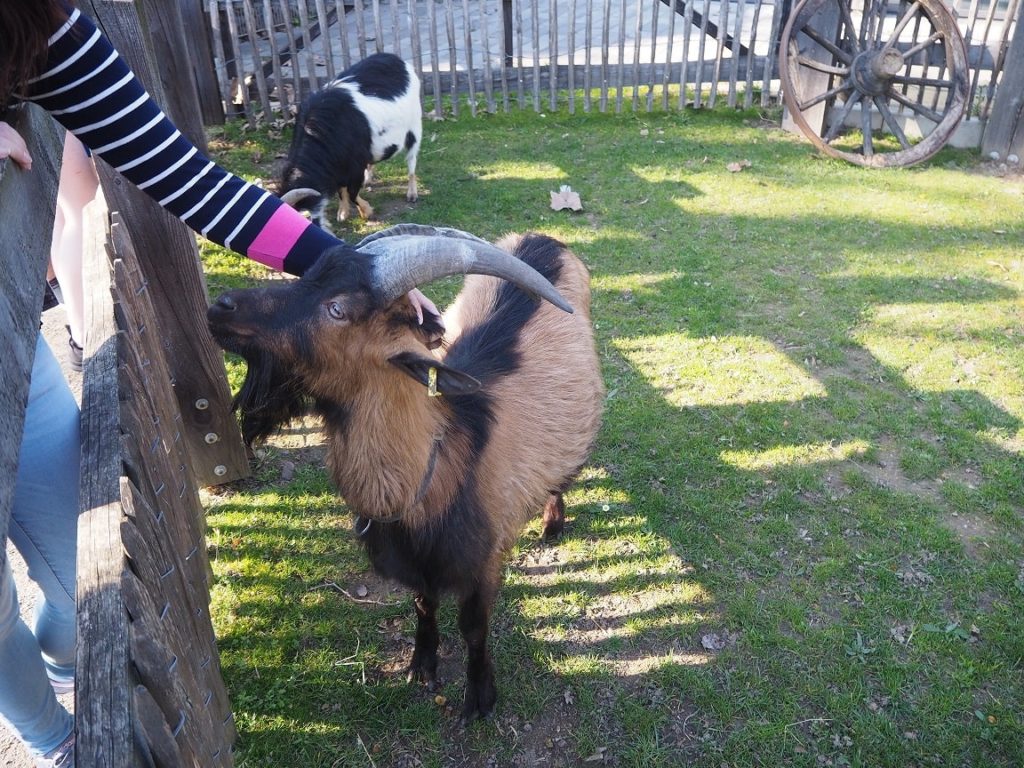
(362,524)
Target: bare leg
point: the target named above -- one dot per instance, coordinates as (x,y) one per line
(424,656)
(78,184)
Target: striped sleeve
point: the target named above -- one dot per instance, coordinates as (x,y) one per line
(89,89)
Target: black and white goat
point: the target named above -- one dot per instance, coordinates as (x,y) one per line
(366,115)
(441,486)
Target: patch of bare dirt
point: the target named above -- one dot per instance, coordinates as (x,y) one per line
(972,529)
(886,472)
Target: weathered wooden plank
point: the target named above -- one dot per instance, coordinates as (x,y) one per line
(698,87)
(102,706)
(605,47)
(378,28)
(693,71)
(520,82)
(249,14)
(588,42)
(434,57)
(453,70)
(27,204)
(292,54)
(170,258)
(1004,132)
(826,21)
(748,96)
(396,30)
(620,82)
(154,661)
(553,53)
(734,72)
(220,55)
(470,79)
(163,750)
(360,28)
(654,56)
(667,79)
(275,60)
(719,52)
(198,38)
(688,10)
(507,55)
(342,26)
(638,33)
(306,54)
(535,19)
(771,59)
(488,72)
(572,57)
(518,33)
(324,21)
(235,59)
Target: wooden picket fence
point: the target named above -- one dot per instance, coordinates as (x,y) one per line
(491,55)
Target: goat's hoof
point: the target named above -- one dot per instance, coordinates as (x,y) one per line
(426,677)
(470,716)
(551,535)
(479,704)
(412,198)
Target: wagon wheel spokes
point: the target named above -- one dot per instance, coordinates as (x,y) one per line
(902,63)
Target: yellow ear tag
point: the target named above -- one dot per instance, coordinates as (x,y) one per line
(432,382)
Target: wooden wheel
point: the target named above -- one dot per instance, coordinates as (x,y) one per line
(880,83)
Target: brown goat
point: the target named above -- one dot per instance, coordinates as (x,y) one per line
(441,486)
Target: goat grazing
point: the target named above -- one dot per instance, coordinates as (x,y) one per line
(441,487)
(366,115)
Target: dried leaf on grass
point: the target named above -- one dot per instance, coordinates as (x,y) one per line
(738,166)
(716,641)
(566,198)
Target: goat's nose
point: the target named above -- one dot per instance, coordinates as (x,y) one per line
(224,301)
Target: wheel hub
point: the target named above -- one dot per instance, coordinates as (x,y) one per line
(873,71)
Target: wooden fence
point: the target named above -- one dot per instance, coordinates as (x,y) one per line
(149,690)
(536,54)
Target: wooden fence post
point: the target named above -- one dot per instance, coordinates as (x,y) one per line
(27,205)
(827,23)
(171,264)
(1004,131)
(198,37)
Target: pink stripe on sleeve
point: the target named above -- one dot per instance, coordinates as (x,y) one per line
(277,237)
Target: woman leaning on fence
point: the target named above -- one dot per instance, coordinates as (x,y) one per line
(53,55)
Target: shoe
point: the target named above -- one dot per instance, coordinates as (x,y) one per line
(75,353)
(61,757)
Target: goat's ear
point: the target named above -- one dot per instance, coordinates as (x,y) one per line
(446,381)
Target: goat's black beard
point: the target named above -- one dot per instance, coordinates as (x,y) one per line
(270,397)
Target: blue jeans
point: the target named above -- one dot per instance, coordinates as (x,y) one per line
(44,529)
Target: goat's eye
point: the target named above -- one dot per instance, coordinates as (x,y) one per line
(335,310)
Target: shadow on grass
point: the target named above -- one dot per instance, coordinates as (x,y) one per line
(722,557)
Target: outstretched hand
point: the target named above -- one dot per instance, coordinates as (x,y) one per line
(14,147)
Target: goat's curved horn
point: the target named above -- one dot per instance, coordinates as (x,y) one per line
(408,255)
(293,196)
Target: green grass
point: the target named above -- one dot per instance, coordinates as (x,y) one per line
(799,540)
